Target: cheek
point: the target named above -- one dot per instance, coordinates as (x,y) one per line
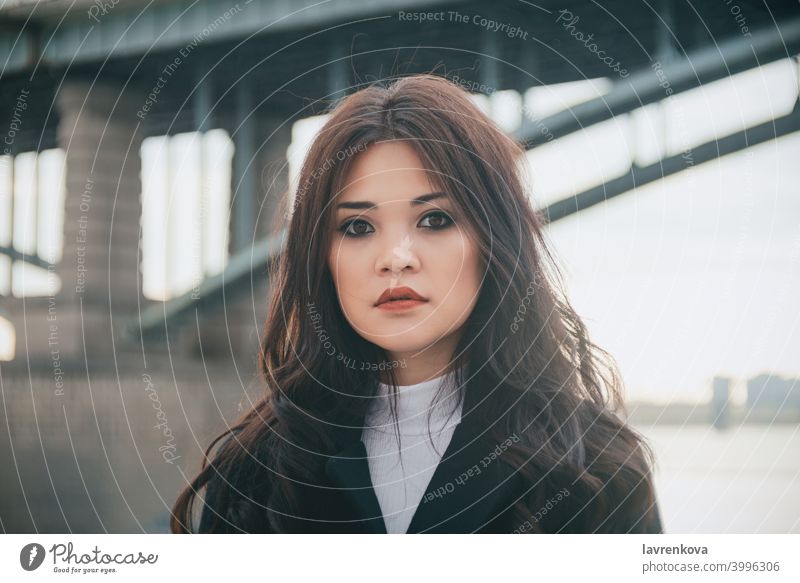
(457,258)
(457,272)
(337,261)
(343,268)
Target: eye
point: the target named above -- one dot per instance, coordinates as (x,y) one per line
(355,228)
(441,220)
(345,228)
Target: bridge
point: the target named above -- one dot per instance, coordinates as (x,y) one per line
(95,80)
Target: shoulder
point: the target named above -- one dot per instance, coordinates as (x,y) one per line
(234,499)
(608,477)
(620,457)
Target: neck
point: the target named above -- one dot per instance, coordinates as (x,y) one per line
(413,367)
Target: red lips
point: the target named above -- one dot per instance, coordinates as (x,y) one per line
(399,293)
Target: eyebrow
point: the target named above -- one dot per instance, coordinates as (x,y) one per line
(366,204)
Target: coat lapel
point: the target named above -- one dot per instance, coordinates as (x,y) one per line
(349,469)
(466,492)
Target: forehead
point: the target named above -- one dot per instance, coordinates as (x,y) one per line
(386,171)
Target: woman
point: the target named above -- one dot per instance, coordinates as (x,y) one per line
(424,371)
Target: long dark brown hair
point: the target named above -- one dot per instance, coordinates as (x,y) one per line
(544,379)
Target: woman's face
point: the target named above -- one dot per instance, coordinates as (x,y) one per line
(392,230)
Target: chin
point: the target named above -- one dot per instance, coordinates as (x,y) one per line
(404,342)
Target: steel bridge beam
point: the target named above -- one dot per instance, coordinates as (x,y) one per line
(698,68)
(642,175)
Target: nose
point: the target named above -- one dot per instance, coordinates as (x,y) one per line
(397,258)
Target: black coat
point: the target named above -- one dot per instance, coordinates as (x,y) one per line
(471,491)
